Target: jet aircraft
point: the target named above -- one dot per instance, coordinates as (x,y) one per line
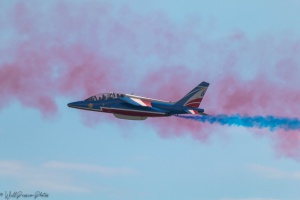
(132,107)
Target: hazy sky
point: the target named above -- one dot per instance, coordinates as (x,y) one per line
(56,52)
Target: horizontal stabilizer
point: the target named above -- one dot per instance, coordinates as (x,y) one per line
(195,111)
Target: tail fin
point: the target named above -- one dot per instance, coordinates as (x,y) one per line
(194,97)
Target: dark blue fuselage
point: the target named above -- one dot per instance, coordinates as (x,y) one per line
(118,106)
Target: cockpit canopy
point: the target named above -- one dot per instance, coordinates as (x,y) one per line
(104,96)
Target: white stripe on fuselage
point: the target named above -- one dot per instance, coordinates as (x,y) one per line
(139,101)
(145,98)
(192,111)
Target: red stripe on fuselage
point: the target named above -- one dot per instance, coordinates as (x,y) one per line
(148,103)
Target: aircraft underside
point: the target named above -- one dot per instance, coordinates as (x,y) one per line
(134,112)
(130,117)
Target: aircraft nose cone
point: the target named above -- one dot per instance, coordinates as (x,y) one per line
(71,104)
(78,104)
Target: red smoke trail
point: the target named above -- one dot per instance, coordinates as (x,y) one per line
(75,50)
(265,87)
(230,95)
(255,77)
(63,49)
(49,56)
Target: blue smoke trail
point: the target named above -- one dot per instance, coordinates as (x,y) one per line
(270,122)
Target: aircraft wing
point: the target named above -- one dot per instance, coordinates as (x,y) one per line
(136,101)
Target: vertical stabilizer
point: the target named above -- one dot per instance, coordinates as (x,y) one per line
(194,97)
